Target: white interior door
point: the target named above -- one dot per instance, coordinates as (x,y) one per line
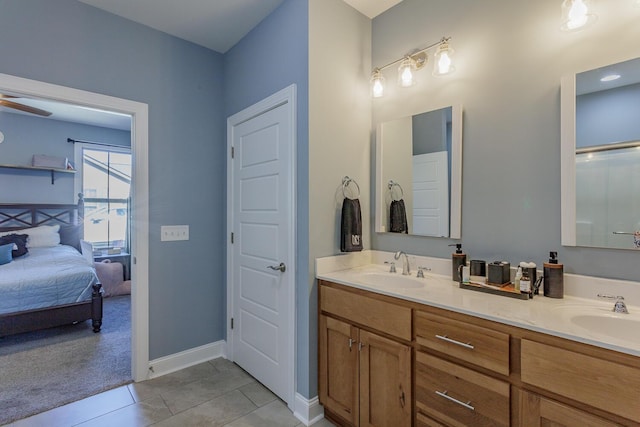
(431,194)
(261,337)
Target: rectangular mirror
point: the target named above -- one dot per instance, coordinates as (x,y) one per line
(419,174)
(600,149)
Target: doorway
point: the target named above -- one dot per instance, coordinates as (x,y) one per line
(140,209)
(261,249)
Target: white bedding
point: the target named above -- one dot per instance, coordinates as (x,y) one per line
(45,277)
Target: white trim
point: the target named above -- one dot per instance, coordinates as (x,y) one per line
(285,96)
(140,196)
(184,359)
(309,411)
(568,160)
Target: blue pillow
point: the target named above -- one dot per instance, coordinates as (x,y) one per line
(5,253)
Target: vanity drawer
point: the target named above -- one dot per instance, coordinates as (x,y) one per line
(459,396)
(422,421)
(383,316)
(603,384)
(480,346)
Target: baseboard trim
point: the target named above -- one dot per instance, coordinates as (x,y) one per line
(184,359)
(309,411)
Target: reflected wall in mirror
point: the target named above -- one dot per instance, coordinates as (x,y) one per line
(419,174)
(601,157)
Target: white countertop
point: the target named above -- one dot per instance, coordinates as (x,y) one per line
(541,314)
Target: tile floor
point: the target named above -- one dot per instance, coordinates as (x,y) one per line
(216,393)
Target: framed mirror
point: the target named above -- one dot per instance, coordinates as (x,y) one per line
(419,174)
(600,150)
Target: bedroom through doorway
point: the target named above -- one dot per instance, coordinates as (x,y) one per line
(112,223)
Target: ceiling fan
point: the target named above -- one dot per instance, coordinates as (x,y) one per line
(4,102)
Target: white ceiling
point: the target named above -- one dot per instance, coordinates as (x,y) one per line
(372,8)
(214,24)
(74,113)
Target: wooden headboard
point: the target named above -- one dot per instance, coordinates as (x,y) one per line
(14,216)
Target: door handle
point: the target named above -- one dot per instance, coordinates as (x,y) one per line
(280,267)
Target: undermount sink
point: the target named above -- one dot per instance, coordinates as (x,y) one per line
(392,280)
(614,326)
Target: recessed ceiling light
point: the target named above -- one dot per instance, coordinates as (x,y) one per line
(610,78)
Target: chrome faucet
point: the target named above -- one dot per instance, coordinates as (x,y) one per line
(406,269)
(619,306)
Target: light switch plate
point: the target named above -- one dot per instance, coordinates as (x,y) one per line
(169,233)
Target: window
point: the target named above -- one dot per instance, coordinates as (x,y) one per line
(106,184)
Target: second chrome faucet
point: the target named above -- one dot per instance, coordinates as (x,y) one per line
(406,268)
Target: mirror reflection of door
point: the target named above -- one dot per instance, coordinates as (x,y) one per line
(416,156)
(608,156)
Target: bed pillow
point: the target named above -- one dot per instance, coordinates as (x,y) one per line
(70,235)
(44,236)
(19,241)
(5,253)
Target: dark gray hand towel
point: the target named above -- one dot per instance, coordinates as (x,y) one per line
(351,226)
(398,217)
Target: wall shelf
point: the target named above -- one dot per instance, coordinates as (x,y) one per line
(38,168)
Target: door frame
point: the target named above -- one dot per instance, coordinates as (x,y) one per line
(286,96)
(140,197)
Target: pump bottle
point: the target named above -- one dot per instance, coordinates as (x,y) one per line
(457,259)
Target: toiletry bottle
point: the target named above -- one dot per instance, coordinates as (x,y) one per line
(553,277)
(457,259)
(525,280)
(517,278)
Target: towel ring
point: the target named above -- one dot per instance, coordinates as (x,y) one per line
(345,183)
(393,184)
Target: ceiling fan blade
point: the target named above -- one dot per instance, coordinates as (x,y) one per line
(25,108)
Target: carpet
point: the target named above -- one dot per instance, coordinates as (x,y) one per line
(45,369)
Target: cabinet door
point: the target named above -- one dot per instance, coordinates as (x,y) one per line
(540,411)
(385,382)
(338,374)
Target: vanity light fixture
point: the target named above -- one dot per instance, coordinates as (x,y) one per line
(577,14)
(413,62)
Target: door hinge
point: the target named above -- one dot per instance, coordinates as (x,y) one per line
(233,152)
(232,323)
(231,237)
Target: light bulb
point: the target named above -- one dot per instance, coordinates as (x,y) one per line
(576,15)
(405,73)
(377,83)
(443,63)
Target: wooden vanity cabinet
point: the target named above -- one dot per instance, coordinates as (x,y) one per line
(539,411)
(466,371)
(364,377)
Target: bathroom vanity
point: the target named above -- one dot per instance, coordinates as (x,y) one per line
(400,351)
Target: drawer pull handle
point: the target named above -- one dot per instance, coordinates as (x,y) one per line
(351,341)
(462,344)
(446,396)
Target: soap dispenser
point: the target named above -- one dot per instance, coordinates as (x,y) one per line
(553,277)
(457,259)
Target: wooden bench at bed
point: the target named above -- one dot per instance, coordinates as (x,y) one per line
(18,216)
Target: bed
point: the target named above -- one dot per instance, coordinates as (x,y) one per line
(50,286)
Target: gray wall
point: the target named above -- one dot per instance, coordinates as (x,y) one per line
(26,136)
(69,43)
(271,57)
(510,57)
(429,132)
